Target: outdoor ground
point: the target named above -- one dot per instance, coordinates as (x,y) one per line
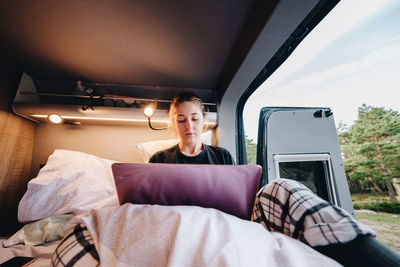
(386,225)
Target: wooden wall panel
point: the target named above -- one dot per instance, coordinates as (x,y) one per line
(16,145)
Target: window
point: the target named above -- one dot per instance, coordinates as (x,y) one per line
(312,170)
(349,59)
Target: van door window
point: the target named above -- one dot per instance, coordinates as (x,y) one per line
(312,170)
(305,141)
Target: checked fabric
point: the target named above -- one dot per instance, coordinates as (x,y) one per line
(288,207)
(76,249)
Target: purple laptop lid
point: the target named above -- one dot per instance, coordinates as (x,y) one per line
(228,188)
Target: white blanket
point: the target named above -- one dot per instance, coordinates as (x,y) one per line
(151,235)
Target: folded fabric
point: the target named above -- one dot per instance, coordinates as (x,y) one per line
(40,232)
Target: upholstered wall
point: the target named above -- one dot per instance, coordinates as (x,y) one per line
(115,142)
(16,145)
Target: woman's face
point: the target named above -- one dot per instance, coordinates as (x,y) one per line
(189,122)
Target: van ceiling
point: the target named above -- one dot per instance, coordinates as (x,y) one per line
(133,48)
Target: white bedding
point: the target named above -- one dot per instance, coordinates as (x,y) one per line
(148,235)
(71,182)
(151,235)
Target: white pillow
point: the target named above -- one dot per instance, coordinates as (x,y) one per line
(70,182)
(147,149)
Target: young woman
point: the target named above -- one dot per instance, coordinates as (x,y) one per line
(187,118)
(283,205)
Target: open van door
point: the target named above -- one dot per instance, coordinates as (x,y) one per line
(302,144)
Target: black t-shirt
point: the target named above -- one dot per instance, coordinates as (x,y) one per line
(209,155)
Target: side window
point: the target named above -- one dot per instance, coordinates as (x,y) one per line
(312,170)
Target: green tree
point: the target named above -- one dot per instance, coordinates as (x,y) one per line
(251,151)
(371,148)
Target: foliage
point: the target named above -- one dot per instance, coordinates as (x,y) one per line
(383,206)
(251,151)
(371,148)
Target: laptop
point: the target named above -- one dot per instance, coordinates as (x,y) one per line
(229,188)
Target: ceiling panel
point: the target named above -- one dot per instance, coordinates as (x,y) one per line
(169,44)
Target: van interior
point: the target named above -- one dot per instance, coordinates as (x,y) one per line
(98,64)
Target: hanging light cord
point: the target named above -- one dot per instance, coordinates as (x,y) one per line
(153,128)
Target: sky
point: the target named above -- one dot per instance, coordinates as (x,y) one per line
(352,57)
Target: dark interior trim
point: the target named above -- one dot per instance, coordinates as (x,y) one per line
(259,16)
(305,27)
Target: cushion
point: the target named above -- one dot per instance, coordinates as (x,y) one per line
(228,188)
(147,149)
(70,182)
(39,232)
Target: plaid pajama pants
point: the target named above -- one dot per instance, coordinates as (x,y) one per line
(288,207)
(76,249)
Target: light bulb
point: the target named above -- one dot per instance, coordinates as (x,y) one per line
(148,111)
(55,118)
